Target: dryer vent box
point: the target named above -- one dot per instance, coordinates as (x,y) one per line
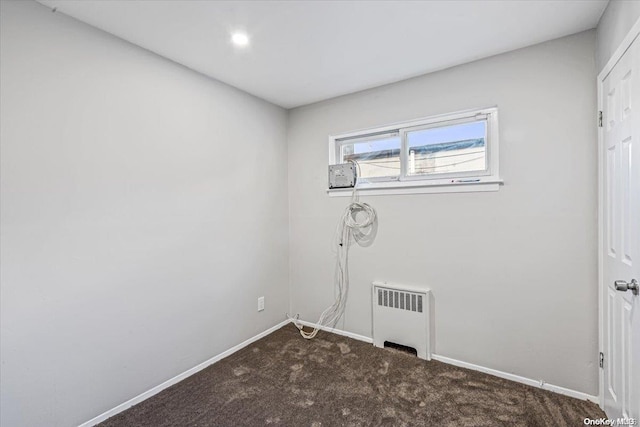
(342,176)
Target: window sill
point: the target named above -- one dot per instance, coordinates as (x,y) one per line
(396,188)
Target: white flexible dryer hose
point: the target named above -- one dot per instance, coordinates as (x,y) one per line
(358,222)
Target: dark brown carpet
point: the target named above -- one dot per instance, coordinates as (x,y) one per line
(286,380)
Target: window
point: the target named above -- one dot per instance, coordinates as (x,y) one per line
(447,150)
(377,155)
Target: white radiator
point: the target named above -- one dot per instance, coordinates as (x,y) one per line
(402,315)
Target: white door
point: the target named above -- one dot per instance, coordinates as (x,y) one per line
(621,236)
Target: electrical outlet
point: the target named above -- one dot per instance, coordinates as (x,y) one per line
(261,304)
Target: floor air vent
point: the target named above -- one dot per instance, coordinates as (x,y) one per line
(401,315)
(403,348)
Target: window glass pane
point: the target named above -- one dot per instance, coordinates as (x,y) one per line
(377,157)
(448,149)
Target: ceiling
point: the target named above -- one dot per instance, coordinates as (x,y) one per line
(306,51)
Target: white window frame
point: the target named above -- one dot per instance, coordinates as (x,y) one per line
(369,136)
(487,180)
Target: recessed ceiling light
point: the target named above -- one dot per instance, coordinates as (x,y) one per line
(240,39)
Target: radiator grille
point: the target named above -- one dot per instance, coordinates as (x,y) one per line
(400,300)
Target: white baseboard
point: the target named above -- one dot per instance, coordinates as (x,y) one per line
(335,331)
(518,379)
(157,389)
(512,377)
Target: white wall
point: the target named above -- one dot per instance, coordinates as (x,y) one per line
(615,23)
(144,211)
(513,272)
